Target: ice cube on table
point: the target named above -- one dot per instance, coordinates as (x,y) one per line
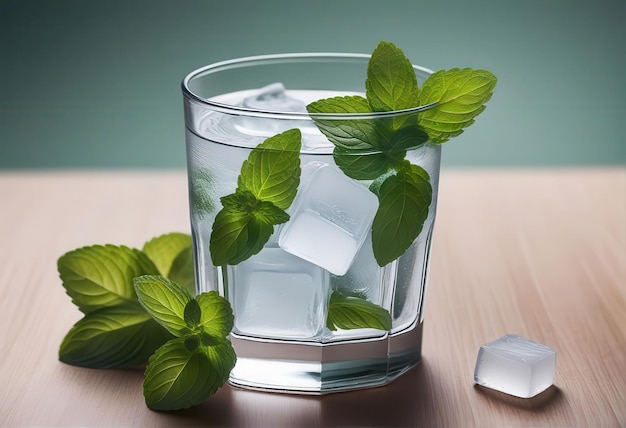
(277,295)
(515,365)
(330,219)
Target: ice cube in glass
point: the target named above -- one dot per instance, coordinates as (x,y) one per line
(272,97)
(515,365)
(365,278)
(278,295)
(330,219)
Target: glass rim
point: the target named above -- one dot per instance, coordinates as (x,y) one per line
(275,114)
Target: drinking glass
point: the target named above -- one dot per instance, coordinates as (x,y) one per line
(284,296)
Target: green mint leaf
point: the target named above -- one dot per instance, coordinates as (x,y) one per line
(350,312)
(182,271)
(192,314)
(461,95)
(237,236)
(192,342)
(222,359)
(391,83)
(173,255)
(165,301)
(266,186)
(241,201)
(177,378)
(164,249)
(404,199)
(414,172)
(362,167)
(201,187)
(99,276)
(216,314)
(246,202)
(407,137)
(272,171)
(356,134)
(367,149)
(373,165)
(115,337)
(269,213)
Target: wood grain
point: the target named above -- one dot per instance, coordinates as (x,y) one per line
(540,253)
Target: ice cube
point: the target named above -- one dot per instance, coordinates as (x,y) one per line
(277,295)
(274,98)
(515,365)
(330,218)
(365,278)
(270,98)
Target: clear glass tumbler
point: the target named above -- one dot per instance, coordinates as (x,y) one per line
(303,299)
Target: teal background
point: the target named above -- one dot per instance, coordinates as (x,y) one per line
(96,84)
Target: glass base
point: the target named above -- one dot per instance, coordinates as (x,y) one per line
(321,368)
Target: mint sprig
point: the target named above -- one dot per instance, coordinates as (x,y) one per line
(188,369)
(375,149)
(266,187)
(134,315)
(116,331)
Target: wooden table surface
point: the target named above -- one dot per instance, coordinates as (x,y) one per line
(540,253)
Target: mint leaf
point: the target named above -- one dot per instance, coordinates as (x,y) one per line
(364,135)
(267,185)
(272,171)
(362,167)
(364,148)
(177,378)
(216,314)
(222,359)
(237,236)
(407,137)
(391,83)
(173,255)
(164,249)
(115,337)
(372,165)
(165,301)
(404,199)
(99,276)
(460,94)
(182,271)
(192,314)
(350,312)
